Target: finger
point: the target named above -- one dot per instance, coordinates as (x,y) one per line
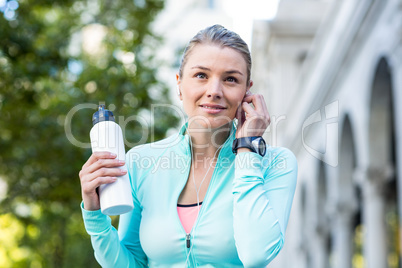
(267,115)
(248,98)
(248,94)
(108,172)
(253,113)
(98,155)
(262,105)
(102,172)
(248,108)
(100,163)
(91,186)
(256,99)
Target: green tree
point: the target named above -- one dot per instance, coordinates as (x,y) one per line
(55,55)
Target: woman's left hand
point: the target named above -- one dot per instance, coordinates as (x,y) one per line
(252,121)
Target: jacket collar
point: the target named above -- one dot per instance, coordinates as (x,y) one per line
(227,147)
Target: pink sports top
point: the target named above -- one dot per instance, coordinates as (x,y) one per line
(187,215)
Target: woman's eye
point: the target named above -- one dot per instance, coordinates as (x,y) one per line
(201,75)
(231,79)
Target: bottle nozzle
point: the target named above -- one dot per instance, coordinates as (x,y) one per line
(102,115)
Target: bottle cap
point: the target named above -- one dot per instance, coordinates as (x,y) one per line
(102,115)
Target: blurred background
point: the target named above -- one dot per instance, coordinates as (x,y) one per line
(330,71)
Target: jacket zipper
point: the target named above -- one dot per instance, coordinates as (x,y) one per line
(188,240)
(188,235)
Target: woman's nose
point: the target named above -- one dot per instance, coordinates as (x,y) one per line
(214,89)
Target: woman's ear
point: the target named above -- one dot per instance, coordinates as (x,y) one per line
(250,84)
(178,86)
(248,88)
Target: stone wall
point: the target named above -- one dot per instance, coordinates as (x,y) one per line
(331,72)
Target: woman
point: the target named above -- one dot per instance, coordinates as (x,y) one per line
(224,198)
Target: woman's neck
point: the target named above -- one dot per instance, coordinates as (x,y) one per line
(206,142)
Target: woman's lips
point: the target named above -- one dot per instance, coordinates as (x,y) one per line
(212,108)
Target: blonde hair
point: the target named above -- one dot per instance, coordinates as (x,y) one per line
(220,36)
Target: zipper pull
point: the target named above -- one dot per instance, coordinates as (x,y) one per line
(188,237)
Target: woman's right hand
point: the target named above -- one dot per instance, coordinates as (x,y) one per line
(101,168)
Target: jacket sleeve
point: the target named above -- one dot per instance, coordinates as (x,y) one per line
(263,190)
(116,248)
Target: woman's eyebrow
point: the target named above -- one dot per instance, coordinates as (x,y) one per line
(208,69)
(201,67)
(234,72)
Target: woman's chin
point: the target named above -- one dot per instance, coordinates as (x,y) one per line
(210,123)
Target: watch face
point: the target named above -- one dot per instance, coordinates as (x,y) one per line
(262,147)
(259,146)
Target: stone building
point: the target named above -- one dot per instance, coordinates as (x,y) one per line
(331,73)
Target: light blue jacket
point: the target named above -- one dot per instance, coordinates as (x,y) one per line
(242,220)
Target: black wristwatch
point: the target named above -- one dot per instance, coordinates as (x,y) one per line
(255,144)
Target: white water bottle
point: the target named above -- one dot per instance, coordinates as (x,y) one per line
(106,135)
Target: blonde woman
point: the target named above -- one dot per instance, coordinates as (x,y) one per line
(225,196)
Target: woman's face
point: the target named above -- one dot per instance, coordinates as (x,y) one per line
(213,85)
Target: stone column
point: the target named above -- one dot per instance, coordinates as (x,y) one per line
(321,253)
(374,247)
(343,240)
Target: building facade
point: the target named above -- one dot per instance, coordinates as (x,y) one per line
(331,73)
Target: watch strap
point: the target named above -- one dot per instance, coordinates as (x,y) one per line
(244,142)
